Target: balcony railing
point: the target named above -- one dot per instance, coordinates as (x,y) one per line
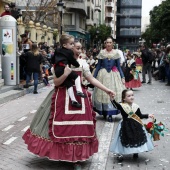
(109,4)
(109,14)
(75,4)
(111,24)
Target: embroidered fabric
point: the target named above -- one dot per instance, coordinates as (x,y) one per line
(112,55)
(132,133)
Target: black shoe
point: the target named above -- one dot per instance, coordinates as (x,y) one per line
(135,156)
(35,92)
(143,82)
(76,104)
(81,94)
(26,86)
(148,82)
(120,158)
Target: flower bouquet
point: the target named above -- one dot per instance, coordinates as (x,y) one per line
(155,129)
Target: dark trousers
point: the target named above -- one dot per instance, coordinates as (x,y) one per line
(147,68)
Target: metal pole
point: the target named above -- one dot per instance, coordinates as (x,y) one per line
(61,26)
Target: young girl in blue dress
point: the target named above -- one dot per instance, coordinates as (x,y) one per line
(131,136)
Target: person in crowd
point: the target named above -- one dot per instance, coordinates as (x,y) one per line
(147,59)
(26,45)
(138,61)
(167,65)
(83,54)
(67,133)
(33,62)
(131,136)
(65,56)
(7,10)
(46,63)
(91,63)
(132,79)
(45,47)
(108,71)
(162,63)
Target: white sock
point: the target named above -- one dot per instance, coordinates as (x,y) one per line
(78,84)
(71,94)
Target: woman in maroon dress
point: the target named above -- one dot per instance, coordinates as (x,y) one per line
(62,132)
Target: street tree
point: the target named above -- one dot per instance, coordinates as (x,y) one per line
(100,33)
(43,11)
(159,24)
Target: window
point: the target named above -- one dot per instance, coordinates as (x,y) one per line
(130,31)
(130,21)
(130,12)
(92,15)
(81,23)
(88,12)
(68,19)
(131,2)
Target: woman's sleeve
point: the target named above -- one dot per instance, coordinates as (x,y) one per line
(86,69)
(97,67)
(138,112)
(119,68)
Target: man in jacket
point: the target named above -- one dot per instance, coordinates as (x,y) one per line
(147,64)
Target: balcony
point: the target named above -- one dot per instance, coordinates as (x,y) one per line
(79,5)
(109,4)
(69,27)
(110,24)
(109,15)
(89,22)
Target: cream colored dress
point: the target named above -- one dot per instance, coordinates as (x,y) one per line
(109,73)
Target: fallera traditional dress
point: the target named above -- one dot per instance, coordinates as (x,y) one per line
(130,136)
(132,79)
(61,132)
(109,73)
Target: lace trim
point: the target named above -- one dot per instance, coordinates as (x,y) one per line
(112,55)
(73,123)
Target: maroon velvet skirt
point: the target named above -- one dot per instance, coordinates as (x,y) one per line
(62,132)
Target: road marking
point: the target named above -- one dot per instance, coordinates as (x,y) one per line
(22,118)
(104,143)
(7,128)
(25,129)
(33,111)
(9,141)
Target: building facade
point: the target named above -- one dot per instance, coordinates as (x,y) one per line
(74,19)
(129,14)
(110,15)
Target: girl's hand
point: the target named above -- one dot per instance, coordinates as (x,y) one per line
(67,70)
(151,116)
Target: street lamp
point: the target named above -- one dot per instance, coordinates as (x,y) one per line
(60,6)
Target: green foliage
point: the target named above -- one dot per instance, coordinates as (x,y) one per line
(103,32)
(159,24)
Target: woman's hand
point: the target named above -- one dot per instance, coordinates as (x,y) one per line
(151,116)
(123,80)
(67,70)
(111,93)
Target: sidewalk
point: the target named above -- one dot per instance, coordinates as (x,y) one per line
(8,93)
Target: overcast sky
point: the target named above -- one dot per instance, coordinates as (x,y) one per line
(148,5)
